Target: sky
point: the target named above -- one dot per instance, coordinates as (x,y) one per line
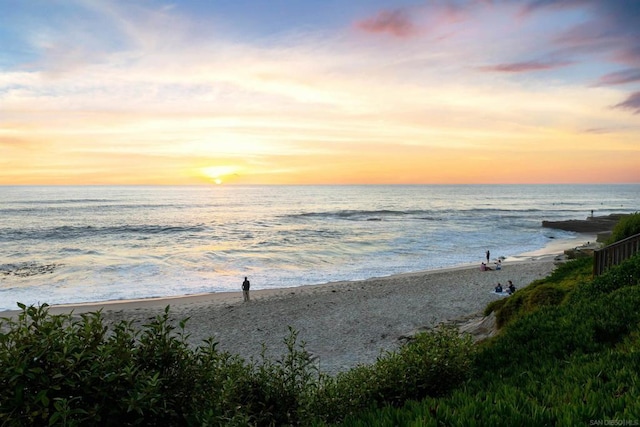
(319,92)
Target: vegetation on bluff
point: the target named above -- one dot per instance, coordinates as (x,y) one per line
(65,370)
(627,226)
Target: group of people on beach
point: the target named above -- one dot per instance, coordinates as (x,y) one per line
(498,289)
(485,266)
(510,288)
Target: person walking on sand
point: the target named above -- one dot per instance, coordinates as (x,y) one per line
(245,289)
(488,256)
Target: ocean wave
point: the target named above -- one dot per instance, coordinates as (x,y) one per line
(79,208)
(63,201)
(27,269)
(363,215)
(67,232)
(424,214)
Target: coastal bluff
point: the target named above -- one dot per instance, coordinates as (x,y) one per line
(592,224)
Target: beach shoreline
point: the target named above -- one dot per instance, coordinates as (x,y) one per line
(552,250)
(342,323)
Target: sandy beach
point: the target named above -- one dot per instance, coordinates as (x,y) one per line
(344,323)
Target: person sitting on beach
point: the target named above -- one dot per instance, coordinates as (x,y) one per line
(499,265)
(484,267)
(511,288)
(498,289)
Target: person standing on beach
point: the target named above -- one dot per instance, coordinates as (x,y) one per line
(245,289)
(488,256)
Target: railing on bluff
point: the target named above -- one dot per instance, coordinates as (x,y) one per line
(614,254)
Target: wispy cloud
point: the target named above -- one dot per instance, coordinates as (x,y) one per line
(394,22)
(612,26)
(612,31)
(532,5)
(417,20)
(525,67)
(598,131)
(620,77)
(631,103)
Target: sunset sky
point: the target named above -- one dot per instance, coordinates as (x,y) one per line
(319,92)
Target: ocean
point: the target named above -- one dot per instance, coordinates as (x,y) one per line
(75,244)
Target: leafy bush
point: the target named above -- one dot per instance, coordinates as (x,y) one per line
(545,295)
(280,392)
(494,306)
(431,365)
(66,370)
(61,370)
(627,226)
(627,274)
(550,291)
(511,309)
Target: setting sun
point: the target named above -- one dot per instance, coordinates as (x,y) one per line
(218,173)
(425,93)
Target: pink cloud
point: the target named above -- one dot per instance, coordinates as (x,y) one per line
(525,67)
(620,77)
(631,103)
(394,22)
(613,28)
(539,4)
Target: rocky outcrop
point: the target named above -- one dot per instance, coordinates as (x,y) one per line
(596,224)
(480,328)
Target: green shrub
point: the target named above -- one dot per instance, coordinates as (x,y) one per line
(627,226)
(280,392)
(58,369)
(494,306)
(544,295)
(571,272)
(66,370)
(431,365)
(61,370)
(627,274)
(552,290)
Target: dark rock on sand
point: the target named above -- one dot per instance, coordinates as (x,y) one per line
(596,224)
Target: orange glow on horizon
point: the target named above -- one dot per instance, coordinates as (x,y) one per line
(348,104)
